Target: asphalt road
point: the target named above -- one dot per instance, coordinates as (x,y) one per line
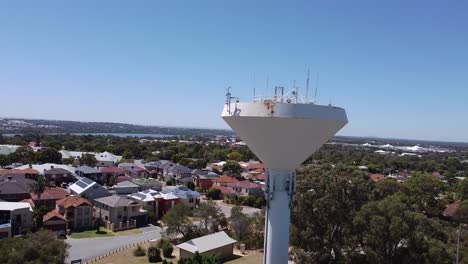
(89,248)
(226,209)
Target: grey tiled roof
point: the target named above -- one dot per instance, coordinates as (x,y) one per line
(115,201)
(87,170)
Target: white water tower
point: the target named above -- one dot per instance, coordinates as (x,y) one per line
(283,133)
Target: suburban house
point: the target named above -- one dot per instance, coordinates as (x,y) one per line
(103,159)
(90,173)
(49,197)
(377,177)
(215,244)
(224,181)
(177,172)
(54,221)
(57,176)
(185,195)
(77,211)
(88,189)
(120,213)
(136,172)
(246,188)
(201,179)
(110,174)
(156,168)
(106,159)
(18,215)
(27,173)
(225,191)
(125,165)
(123,178)
(147,200)
(14,188)
(166,201)
(148,183)
(125,187)
(161,202)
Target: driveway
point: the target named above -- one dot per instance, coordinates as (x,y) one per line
(89,248)
(226,209)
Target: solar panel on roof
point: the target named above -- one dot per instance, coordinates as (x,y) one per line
(139,195)
(87,181)
(81,184)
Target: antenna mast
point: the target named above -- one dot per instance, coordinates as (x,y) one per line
(316,86)
(307,86)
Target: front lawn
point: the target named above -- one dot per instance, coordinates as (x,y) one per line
(104,233)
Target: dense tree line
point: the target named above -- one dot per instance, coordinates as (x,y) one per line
(341,216)
(195,155)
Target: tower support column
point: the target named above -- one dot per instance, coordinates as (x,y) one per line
(279,194)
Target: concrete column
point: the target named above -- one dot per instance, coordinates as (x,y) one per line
(277,220)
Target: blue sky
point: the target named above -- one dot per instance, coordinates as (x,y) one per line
(400,68)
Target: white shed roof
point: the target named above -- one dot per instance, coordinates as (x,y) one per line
(207,243)
(11,206)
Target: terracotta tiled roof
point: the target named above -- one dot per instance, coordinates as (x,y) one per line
(50,215)
(451,209)
(30,201)
(112,170)
(378,177)
(52,194)
(224,190)
(245,185)
(15,171)
(261,177)
(73,201)
(226,179)
(255,166)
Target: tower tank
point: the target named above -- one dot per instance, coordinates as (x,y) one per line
(282,133)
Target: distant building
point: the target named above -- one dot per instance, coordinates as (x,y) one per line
(377,177)
(103,159)
(215,244)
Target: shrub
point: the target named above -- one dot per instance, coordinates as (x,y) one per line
(169,183)
(154,254)
(167,250)
(213,193)
(139,252)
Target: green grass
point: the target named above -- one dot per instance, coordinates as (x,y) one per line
(104,233)
(92,234)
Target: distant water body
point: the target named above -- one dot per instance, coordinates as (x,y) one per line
(106,134)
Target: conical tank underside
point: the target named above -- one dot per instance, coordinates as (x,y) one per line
(283,135)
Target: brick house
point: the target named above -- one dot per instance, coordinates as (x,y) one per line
(77,211)
(57,176)
(49,197)
(120,213)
